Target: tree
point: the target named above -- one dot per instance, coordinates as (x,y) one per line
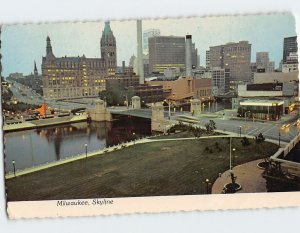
(210,127)
(245,141)
(106,96)
(260,138)
(7,95)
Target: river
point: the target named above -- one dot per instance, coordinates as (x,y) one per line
(33,147)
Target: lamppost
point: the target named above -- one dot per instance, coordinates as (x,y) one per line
(207,183)
(169,110)
(230,166)
(233,150)
(133,134)
(279,138)
(85,150)
(14,166)
(246,115)
(240,128)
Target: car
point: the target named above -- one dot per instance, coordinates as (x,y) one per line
(283,126)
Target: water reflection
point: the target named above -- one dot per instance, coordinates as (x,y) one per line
(33,147)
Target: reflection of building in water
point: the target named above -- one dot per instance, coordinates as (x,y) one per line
(134,128)
(57,143)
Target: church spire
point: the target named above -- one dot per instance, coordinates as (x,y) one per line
(35,69)
(107,30)
(49,47)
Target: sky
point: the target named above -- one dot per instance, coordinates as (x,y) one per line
(22,44)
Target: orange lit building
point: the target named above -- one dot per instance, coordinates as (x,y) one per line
(183,89)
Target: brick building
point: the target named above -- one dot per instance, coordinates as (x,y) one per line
(71,77)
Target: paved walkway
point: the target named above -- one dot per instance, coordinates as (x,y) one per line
(248,175)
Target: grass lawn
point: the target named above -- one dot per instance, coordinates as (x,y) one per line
(151,169)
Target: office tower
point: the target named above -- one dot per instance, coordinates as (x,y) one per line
(168,52)
(207,59)
(289,46)
(263,63)
(233,56)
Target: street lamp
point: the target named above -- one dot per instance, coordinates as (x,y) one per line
(85,150)
(169,110)
(246,115)
(133,134)
(14,166)
(240,128)
(207,183)
(233,150)
(230,165)
(279,138)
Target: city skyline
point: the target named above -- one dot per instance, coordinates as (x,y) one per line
(24,44)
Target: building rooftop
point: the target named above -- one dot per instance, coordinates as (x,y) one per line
(261,102)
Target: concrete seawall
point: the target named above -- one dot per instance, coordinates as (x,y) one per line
(43,123)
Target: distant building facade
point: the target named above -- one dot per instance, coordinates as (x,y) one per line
(219,78)
(71,77)
(233,56)
(289,46)
(263,62)
(184,89)
(169,52)
(146,35)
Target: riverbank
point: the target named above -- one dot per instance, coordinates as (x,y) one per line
(26,125)
(162,167)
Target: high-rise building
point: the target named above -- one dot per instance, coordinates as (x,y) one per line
(70,77)
(263,62)
(262,59)
(220,80)
(207,59)
(146,35)
(233,56)
(168,52)
(289,46)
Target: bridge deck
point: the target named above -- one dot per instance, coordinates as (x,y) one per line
(142,113)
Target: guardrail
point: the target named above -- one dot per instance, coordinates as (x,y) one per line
(290,166)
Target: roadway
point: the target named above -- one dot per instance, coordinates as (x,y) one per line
(269,130)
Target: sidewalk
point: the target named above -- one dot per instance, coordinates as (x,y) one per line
(248,175)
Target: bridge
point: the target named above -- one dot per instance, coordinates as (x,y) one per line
(142,113)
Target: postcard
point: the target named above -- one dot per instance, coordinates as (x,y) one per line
(150,115)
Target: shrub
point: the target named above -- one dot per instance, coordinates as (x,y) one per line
(245,141)
(260,138)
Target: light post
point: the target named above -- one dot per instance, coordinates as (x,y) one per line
(14,166)
(169,109)
(85,150)
(246,115)
(279,138)
(207,183)
(230,165)
(233,152)
(240,128)
(133,134)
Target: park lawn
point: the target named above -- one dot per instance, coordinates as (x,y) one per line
(150,169)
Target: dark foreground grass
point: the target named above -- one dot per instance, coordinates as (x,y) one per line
(151,169)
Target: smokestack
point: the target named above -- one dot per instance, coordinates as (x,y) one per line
(188,55)
(123,67)
(140,51)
